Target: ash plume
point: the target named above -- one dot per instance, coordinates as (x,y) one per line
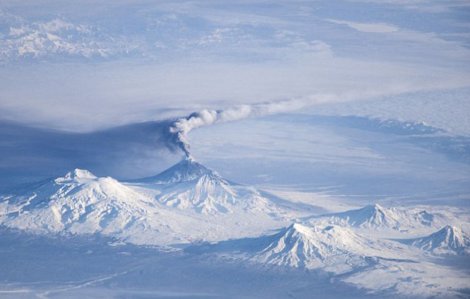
(180,128)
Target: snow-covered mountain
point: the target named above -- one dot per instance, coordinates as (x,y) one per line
(353,255)
(330,248)
(448,240)
(314,247)
(370,216)
(191,185)
(188,202)
(81,203)
(188,169)
(377,217)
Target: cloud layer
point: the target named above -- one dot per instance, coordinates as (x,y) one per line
(84,65)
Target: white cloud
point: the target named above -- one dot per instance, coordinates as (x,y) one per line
(196,55)
(368,27)
(83,97)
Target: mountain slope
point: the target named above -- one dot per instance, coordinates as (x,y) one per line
(370,216)
(189,185)
(310,247)
(186,170)
(330,248)
(81,203)
(448,240)
(188,209)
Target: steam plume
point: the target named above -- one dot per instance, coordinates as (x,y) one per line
(181,127)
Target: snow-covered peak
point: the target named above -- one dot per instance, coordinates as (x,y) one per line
(375,215)
(369,216)
(289,236)
(77,175)
(299,245)
(378,217)
(447,240)
(190,185)
(374,210)
(186,170)
(293,246)
(298,228)
(81,203)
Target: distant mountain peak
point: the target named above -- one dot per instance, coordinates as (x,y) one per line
(297,227)
(186,170)
(448,239)
(299,245)
(76,175)
(376,213)
(190,185)
(373,209)
(369,216)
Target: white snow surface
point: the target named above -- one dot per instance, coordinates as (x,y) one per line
(390,250)
(196,204)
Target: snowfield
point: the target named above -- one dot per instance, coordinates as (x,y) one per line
(191,211)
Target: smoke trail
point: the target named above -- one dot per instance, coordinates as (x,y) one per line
(181,127)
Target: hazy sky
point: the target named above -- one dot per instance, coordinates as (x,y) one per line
(82,65)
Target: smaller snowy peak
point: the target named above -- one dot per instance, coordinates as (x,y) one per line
(370,216)
(296,228)
(186,170)
(334,248)
(373,215)
(294,246)
(77,175)
(318,236)
(378,217)
(448,240)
